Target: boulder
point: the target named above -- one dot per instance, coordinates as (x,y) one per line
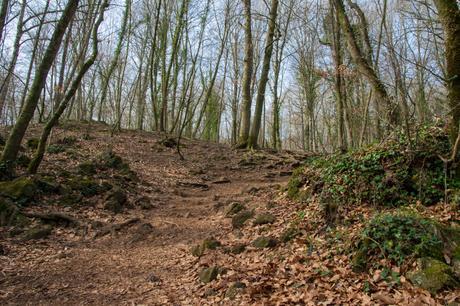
(21,190)
(432,275)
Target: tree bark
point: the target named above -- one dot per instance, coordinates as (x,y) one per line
(260,100)
(17,134)
(247,77)
(449,15)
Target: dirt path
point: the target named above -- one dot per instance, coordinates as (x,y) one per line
(146,267)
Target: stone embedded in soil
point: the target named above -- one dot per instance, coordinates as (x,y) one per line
(207,244)
(264,218)
(265,242)
(238,248)
(38,232)
(240,218)
(234,208)
(433,275)
(21,190)
(234,289)
(209,274)
(116,201)
(289,234)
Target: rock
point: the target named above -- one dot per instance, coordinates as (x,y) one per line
(116,201)
(210,292)
(152,278)
(238,248)
(209,274)
(55,149)
(21,190)
(110,160)
(234,208)
(234,289)
(32,143)
(87,187)
(433,275)
(48,185)
(207,244)
(144,203)
(264,218)
(9,213)
(38,232)
(240,218)
(168,142)
(289,234)
(87,168)
(265,242)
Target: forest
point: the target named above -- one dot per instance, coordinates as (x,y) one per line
(230,152)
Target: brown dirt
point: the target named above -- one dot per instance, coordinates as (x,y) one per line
(72,269)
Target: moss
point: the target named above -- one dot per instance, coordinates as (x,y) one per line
(240,218)
(21,190)
(86,186)
(265,242)
(10,214)
(209,274)
(264,218)
(234,208)
(56,149)
(39,232)
(433,275)
(207,244)
(289,234)
(32,143)
(87,168)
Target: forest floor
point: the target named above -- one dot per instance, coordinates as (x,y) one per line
(151,263)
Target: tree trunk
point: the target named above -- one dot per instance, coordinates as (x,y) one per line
(17,134)
(247,77)
(264,75)
(449,15)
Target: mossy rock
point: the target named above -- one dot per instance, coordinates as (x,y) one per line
(21,190)
(10,214)
(238,248)
(39,232)
(110,160)
(433,275)
(86,186)
(265,242)
(67,141)
(207,244)
(209,274)
(289,234)
(264,218)
(48,185)
(32,143)
(87,168)
(234,290)
(234,208)
(240,218)
(116,201)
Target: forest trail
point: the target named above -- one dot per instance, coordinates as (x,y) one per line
(147,264)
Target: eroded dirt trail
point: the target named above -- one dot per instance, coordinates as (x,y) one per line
(147,265)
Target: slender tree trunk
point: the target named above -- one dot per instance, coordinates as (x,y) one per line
(364,66)
(449,15)
(247,77)
(17,134)
(260,100)
(3,15)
